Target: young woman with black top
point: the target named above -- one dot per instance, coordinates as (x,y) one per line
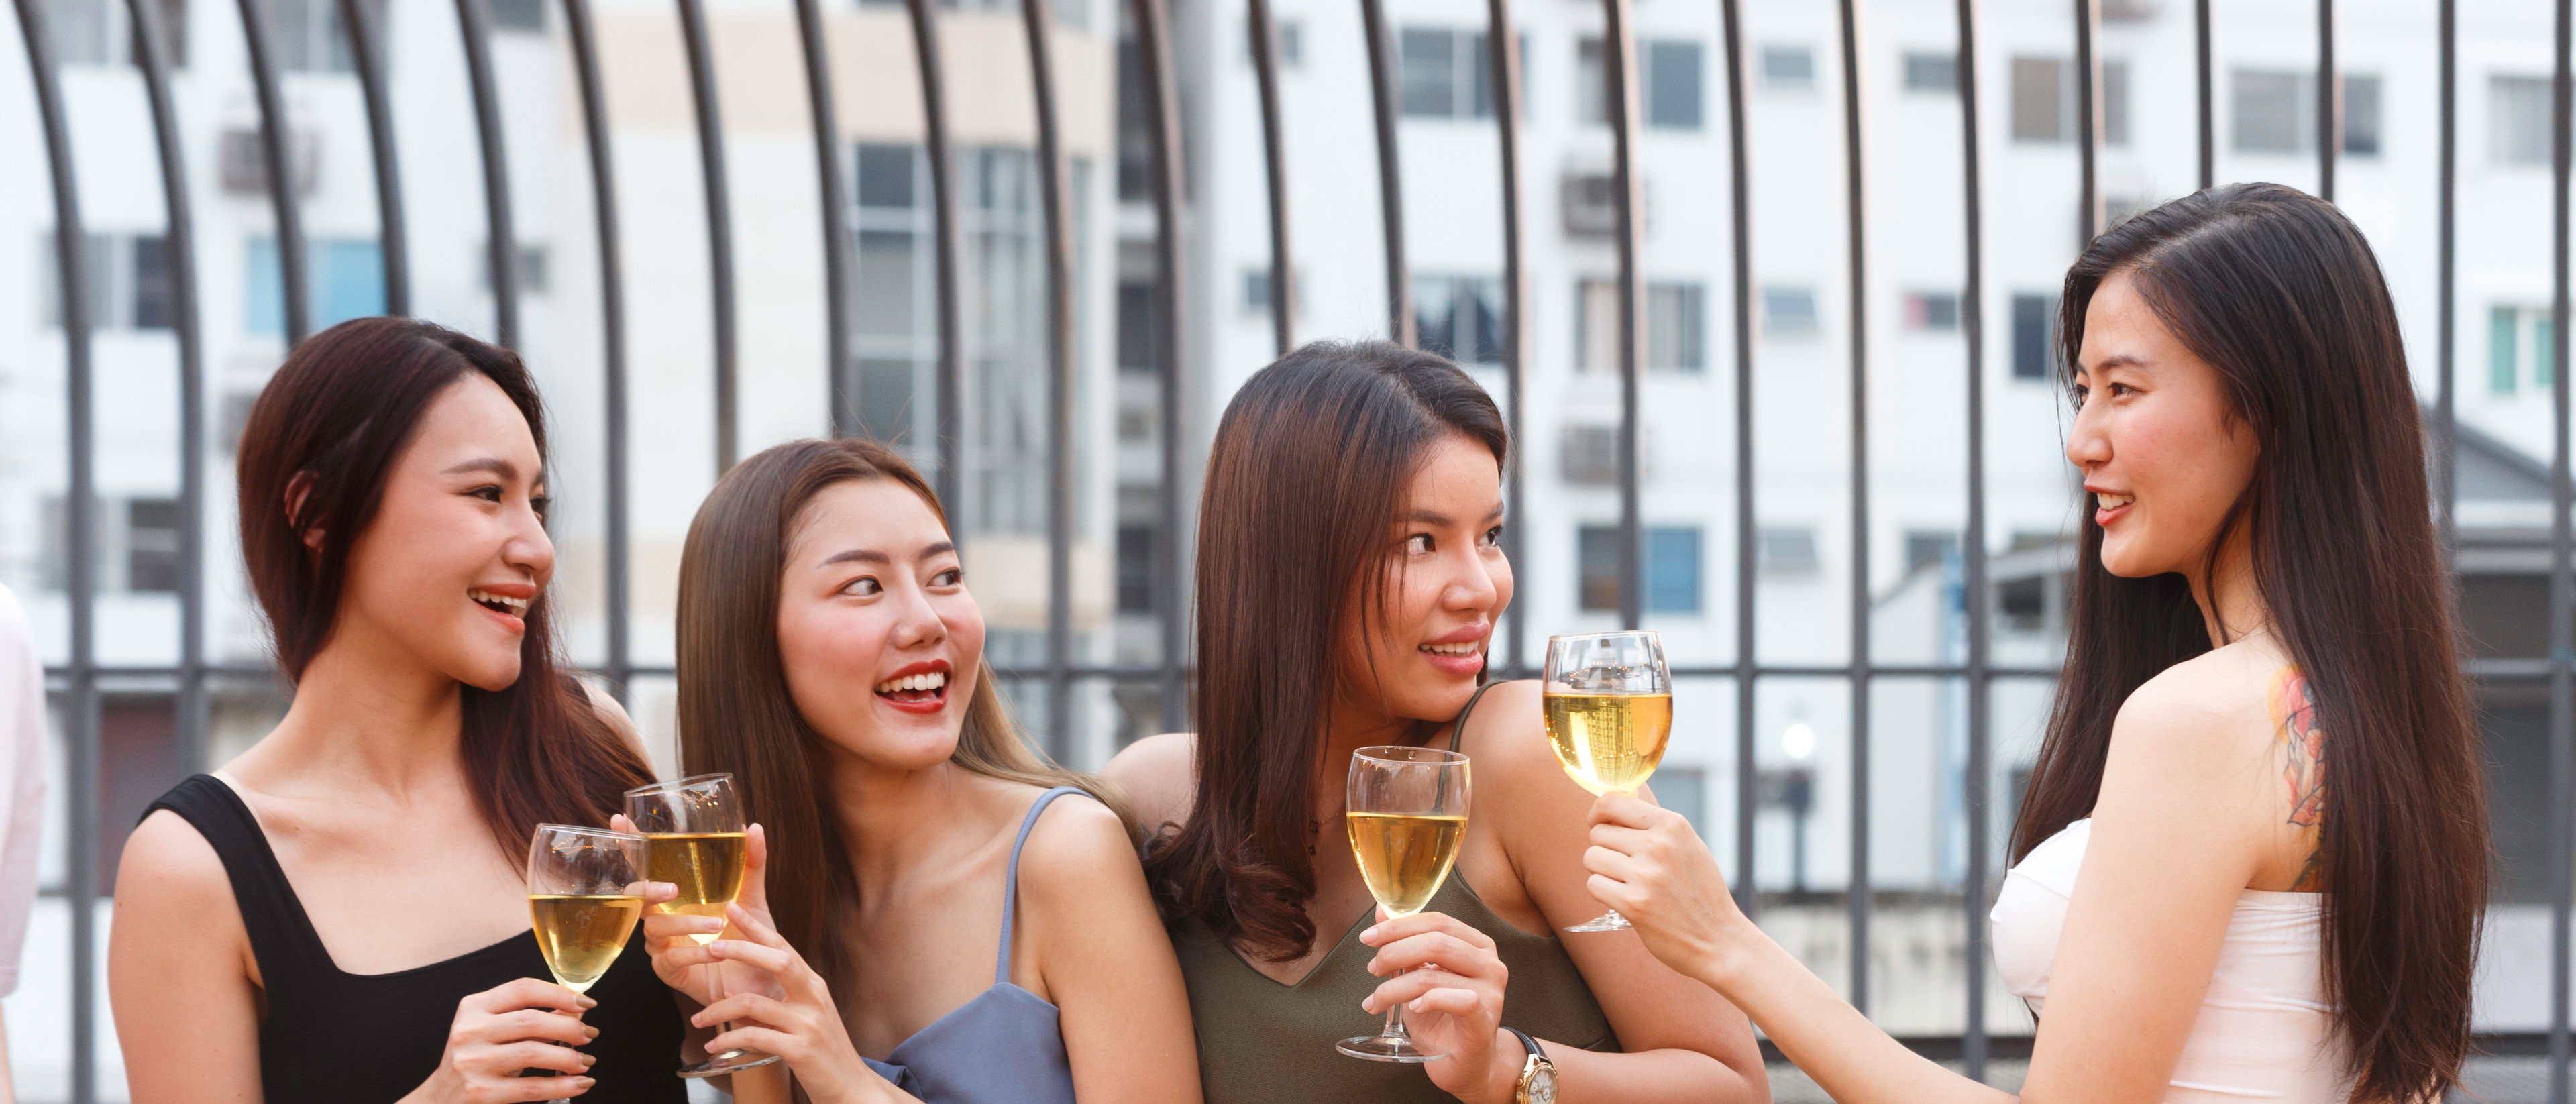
(340,914)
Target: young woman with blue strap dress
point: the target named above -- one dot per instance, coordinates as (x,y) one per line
(1350,577)
(932,912)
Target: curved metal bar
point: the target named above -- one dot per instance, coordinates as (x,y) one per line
(1502,45)
(2208,95)
(1264,32)
(1972,545)
(2329,102)
(81,719)
(179,252)
(711,164)
(2446,473)
(298,287)
(1740,198)
(1162,103)
(612,326)
(837,240)
(1619,70)
(2562,577)
(1038,16)
(1390,183)
(2088,119)
(367,51)
(1858,899)
(474,23)
(950,478)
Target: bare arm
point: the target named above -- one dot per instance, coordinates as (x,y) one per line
(178,978)
(1105,960)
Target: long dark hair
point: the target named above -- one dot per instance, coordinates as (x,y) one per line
(1310,465)
(736,715)
(2279,292)
(339,413)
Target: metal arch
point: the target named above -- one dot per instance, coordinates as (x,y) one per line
(1053,183)
(2329,102)
(1619,70)
(949,479)
(152,57)
(1390,190)
(281,176)
(367,55)
(474,25)
(2088,119)
(1857,898)
(2562,578)
(1746,539)
(2208,94)
(1154,53)
(81,720)
(711,165)
(837,239)
(612,327)
(1972,559)
(1502,45)
(1264,33)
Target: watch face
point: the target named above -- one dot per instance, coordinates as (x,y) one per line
(1542,1086)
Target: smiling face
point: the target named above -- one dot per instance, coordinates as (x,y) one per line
(2162,451)
(1445,584)
(458,549)
(878,637)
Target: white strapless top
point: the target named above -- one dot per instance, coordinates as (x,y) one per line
(2265,1031)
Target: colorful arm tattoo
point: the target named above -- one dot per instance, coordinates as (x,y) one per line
(2303,765)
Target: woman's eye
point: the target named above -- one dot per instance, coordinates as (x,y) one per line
(949,578)
(1494,537)
(862,587)
(487,494)
(1418,543)
(542,505)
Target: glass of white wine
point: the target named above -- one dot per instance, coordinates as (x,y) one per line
(585,892)
(695,829)
(1407,812)
(1609,711)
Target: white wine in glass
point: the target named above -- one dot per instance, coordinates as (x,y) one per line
(1608,703)
(696,834)
(585,892)
(1407,812)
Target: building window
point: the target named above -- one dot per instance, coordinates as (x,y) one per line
(1590,455)
(1684,790)
(2518,120)
(2519,348)
(1932,310)
(535,269)
(1435,81)
(344,279)
(128,277)
(1136,326)
(890,288)
(1788,67)
(2275,111)
(2034,336)
(1786,551)
(1459,317)
(1929,548)
(152,545)
(1668,83)
(1789,311)
(308,36)
(100,32)
(1932,72)
(1676,326)
(1136,569)
(134,542)
(2044,101)
(519,15)
(1672,568)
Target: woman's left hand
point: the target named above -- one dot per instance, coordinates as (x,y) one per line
(1450,982)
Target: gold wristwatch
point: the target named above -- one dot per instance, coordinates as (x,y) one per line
(1538,1075)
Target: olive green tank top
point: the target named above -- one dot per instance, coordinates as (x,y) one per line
(1262,1042)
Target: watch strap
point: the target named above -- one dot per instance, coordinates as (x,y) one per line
(1529,1044)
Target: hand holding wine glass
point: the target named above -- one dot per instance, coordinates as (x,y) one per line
(800,1023)
(671,938)
(698,843)
(1608,704)
(1406,809)
(1652,867)
(502,1032)
(585,892)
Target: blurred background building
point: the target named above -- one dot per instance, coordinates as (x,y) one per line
(1810,587)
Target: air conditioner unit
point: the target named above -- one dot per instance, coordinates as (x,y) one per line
(244,160)
(1591,203)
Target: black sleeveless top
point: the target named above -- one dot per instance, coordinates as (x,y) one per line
(343,1038)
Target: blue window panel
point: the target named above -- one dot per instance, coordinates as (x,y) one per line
(353,280)
(265,291)
(1672,570)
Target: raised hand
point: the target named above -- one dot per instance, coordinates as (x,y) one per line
(666,935)
(799,1023)
(1450,982)
(502,1031)
(1647,863)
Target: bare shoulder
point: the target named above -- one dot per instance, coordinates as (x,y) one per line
(169,882)
(2205,723)
(614,716)
(1506,739)
(1077,847)
(1160,775)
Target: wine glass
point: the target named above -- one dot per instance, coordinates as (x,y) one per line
(695,829)
(1407,813)
(585,892)
(1609,710)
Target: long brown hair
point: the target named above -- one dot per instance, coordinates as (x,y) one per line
(735,712)
(339,413)
(1311,463)
(2280,293)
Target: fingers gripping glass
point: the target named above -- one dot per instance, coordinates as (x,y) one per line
(1609,709)
(585,892)
(1407,813)
(695,828)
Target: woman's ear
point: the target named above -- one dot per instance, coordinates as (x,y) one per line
(298,489)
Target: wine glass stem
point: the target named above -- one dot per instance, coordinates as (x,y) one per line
(1395,1019)
(718,967)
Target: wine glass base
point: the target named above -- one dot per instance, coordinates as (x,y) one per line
(1386,1048)
(1608,921)
(732,1061)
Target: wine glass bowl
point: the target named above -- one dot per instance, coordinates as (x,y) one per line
(699,844)
(1608,708)
(585,893)
(1406,810)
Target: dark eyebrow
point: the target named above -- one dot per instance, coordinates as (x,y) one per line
(870,555)
(1429,517)
(493,464)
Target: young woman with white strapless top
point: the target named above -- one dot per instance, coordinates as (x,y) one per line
(2253,857)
